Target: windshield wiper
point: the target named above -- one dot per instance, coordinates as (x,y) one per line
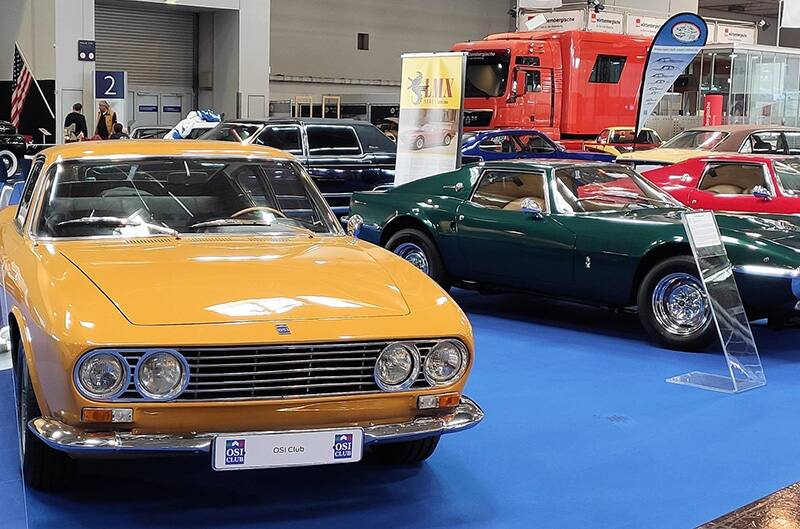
(230,222)
(245,222)
(119,223)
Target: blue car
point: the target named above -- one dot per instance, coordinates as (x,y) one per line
(504,144)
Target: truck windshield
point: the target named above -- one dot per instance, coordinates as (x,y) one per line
(173,195)
(487,73)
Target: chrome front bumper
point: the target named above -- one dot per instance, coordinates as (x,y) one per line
(77,441)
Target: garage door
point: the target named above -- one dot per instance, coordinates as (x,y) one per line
(155,47)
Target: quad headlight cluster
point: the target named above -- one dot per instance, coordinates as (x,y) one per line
(399,364)
(160,374)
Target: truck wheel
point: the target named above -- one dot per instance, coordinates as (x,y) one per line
(419,143)
(43,467)
(447,139)
(406,453)
(10,161)
(418,249)
(673,306)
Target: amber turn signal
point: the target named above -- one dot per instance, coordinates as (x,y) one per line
(431,402)
(107,415)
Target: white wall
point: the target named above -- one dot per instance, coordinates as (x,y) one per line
(254,50)
(74,78)
(32,24)
(318,37)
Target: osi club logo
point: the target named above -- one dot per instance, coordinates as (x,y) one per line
(343,446)
(234,452)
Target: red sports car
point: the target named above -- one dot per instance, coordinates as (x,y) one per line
(736,182)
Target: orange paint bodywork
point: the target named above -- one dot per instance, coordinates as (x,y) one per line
(68,297)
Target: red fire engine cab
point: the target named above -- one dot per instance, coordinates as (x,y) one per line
(568,84)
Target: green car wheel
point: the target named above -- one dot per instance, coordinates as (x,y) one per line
(418,249)
(673,305)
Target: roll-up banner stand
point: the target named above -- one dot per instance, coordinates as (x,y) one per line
(674,47)
(431,113)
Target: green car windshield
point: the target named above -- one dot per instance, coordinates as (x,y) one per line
(788,173)
(174,195)
(593,188)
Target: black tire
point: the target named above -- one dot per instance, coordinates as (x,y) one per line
(694,337)
(419,143)
(447,139)
(406,453)
(43,468)
(411,236)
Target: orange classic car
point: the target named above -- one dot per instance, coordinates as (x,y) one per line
(201,297)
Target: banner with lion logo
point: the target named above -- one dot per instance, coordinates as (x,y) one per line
(431,105)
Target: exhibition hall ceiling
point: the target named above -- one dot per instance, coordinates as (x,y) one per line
(759,8)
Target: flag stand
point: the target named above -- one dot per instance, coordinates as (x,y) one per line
(47,104)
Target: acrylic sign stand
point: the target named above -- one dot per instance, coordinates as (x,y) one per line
(716,272)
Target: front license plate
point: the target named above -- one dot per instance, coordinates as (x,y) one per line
(326,447)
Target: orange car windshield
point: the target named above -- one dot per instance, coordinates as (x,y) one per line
(177,195)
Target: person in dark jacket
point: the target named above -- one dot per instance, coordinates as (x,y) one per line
(76,118)
(105,120)
(118,134)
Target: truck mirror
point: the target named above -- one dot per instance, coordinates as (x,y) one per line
(512,97)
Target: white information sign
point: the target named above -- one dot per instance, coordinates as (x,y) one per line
(703,228)
(606,22)
(643,26)
(727,34)
(560,20)
(325,447)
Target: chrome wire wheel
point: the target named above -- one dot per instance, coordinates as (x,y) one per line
(414,254)
(680,304)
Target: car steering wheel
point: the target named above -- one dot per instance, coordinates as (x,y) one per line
(258,208)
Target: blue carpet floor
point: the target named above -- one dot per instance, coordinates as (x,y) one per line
(581,431)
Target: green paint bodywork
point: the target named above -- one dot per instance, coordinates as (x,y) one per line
(597,257)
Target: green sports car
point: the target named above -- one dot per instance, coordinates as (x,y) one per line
(596,233)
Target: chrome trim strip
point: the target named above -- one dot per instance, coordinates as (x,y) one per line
(767,271)
(65,438)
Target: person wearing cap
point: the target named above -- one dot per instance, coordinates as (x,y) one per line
(105,120)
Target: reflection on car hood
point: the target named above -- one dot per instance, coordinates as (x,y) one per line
(163,281)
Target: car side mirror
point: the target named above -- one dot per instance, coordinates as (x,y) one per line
(762,193)
(11,193)
(530,207)
(354,225)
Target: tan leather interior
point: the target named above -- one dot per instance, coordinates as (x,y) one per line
(732,179)
(508,192)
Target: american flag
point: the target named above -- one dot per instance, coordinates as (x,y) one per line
(20,85)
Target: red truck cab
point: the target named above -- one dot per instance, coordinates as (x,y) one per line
(568,84)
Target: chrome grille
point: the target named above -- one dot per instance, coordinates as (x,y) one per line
(279,371)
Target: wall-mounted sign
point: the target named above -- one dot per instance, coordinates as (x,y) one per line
(148,108)
(109,85)
(606,22)
(643,26)
(86,50)
(727,34)
(171,108)
(559,20)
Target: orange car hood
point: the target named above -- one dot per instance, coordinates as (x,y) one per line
(196,281)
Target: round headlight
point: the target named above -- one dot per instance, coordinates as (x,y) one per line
(102,375)
(446,362)
(397,367)
(161,375)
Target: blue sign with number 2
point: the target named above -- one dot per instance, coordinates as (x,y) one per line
(109,85)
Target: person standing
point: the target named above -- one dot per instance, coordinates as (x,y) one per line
(105,120)
(76,118)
